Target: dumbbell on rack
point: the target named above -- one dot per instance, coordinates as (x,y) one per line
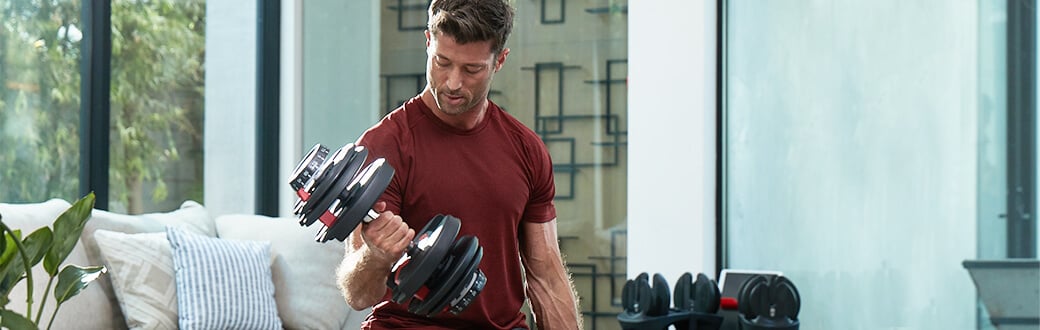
(647,303)
(436,273)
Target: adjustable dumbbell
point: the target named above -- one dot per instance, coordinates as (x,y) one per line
(769,302)
(435,274)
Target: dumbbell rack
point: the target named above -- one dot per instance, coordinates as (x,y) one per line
(691,320)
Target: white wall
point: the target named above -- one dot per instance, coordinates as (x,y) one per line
(230,121)
(671,143)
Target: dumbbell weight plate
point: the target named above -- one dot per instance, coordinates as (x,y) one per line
(307,167)
(683,298)
(469,293)
(444,287)
(706,295)
(334,178)
(433,242)
(662,296)
(754,298)
(636,296)
(785,297)
(362,192)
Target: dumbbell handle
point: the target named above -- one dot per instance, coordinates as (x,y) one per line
(372,215)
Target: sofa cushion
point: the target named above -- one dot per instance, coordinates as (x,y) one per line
(304,270)
(191,216)
(140,267)
(222,283)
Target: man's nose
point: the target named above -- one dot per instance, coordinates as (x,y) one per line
(454,80)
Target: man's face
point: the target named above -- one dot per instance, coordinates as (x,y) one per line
(460,74)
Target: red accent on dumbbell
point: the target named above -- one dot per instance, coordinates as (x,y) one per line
(304,195)
(327,218)
(422,292)
(728,303)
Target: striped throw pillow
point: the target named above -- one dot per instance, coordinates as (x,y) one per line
(222,284)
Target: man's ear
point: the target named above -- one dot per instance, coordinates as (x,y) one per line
(427,33)
(501,59)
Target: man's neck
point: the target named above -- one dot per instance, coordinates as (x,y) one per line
(464,121)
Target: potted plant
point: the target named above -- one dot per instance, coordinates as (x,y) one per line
(51,245)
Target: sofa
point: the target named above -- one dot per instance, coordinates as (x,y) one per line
(186,269)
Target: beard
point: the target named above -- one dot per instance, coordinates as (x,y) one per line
(456,102)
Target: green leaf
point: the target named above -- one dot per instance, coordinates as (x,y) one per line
(14,269)
(37,245)
(3,242)
(9,254)
(67,229)
(74,279)
(11,320)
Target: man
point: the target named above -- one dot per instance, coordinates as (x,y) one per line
(456,152)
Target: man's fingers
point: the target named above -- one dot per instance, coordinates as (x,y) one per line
(379,206)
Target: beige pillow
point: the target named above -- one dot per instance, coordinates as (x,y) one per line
(140,267)
(304,271)
(191,217)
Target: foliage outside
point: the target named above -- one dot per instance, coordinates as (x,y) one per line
(156,99)
(51,245)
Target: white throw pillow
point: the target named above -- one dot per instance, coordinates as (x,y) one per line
(190,216)
(221,283)
(142,275)
(304,270)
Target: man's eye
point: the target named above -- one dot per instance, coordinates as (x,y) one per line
(471,69)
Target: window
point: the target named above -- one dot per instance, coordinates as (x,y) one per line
(149,87)
(157,85)
(39,100)
(868,150)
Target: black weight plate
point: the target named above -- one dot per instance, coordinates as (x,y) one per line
(785,297)
(644,276)
(329,199)
(706,295)
(332,179)
(469,294)
(346,222)
(435,240)
(322,181)
(365,190)
(628,299)
(467,289)
(463,253)
(750,297)
(307,167)
(641,295)
(683,295)
(662,296)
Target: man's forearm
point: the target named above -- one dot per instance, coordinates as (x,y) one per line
(362,278)
(554,301)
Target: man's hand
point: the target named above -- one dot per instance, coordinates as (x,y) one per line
(387,236)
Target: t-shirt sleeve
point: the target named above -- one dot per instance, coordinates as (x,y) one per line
(540,207)
(381,141)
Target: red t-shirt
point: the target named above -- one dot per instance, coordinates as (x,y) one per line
(491,177)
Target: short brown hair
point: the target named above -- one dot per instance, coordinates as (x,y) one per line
(473,21)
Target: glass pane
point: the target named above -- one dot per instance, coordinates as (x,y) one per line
(39,100)
(565,78)
(852,151)
(157,104)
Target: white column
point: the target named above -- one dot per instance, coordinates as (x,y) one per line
(671,102)
(230,120)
